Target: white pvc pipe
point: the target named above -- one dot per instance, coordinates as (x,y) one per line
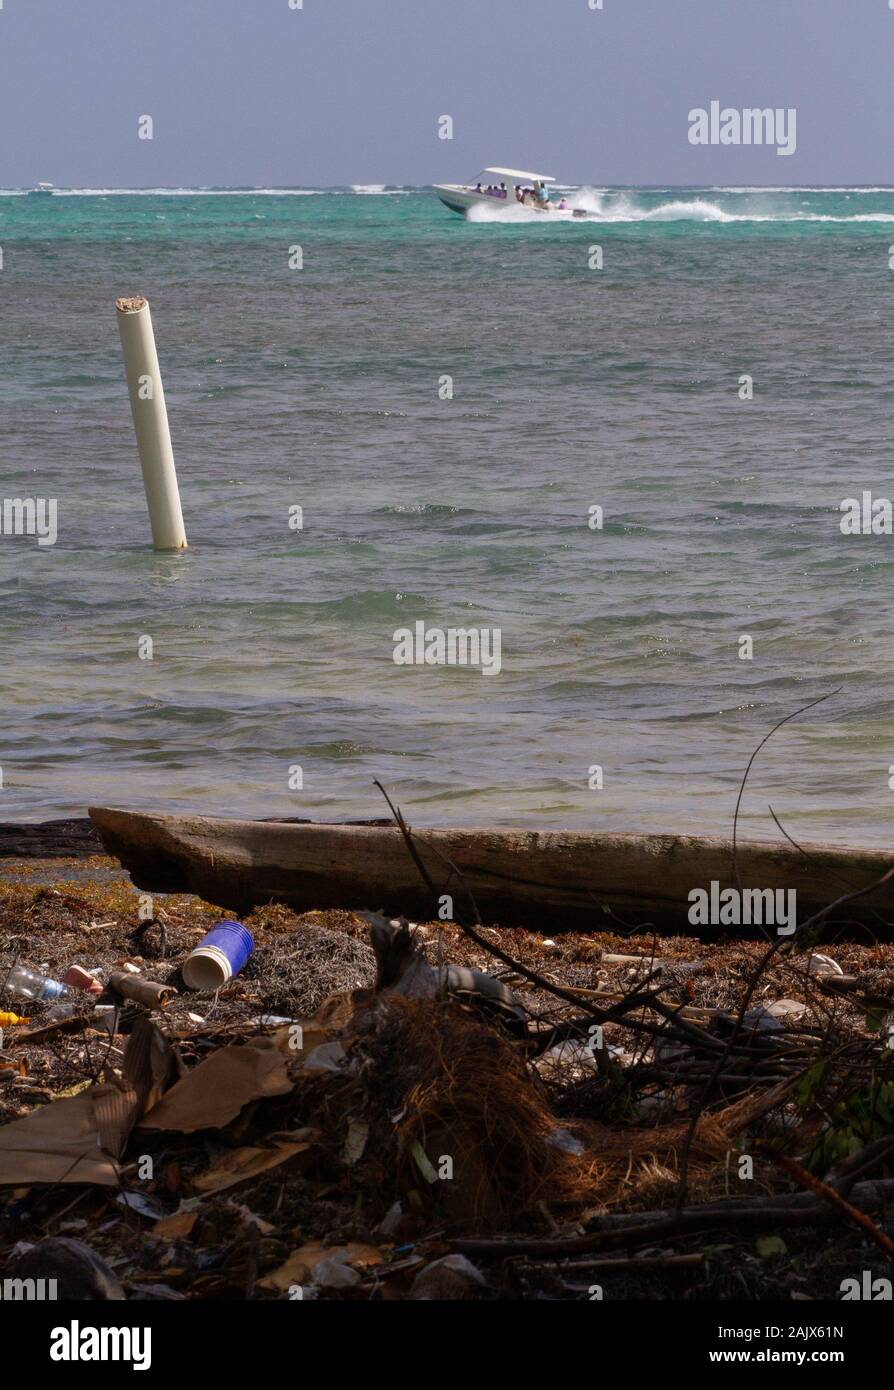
(150,422)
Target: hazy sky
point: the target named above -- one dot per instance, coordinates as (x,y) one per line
(350,91)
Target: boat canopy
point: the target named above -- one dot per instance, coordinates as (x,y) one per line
(520,174)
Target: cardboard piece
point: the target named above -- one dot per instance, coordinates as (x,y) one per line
(214,1092)
(243,1165)
(59,1143)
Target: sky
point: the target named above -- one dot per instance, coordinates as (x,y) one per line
(257,93)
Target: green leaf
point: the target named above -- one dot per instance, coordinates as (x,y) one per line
(422,1162)
(811,1082)
(771,1245)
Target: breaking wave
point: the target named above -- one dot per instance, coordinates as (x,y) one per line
(187,192)
(376,189)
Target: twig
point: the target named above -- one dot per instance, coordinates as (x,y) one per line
(811,859)
(634,1263)
(765,740)
(835,1199)
(613,1015)
(845,1174)
(633,1231)
(749,993)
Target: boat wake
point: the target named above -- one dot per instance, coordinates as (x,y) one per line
(600,205)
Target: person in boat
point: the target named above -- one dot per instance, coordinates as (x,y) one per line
(541,195)
(502,189)
(563,204)
(478,188)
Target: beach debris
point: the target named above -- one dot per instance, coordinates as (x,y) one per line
(653,963)
(212,1094)
(104,1017)
(301,1264)
(423,1162)
(11,1020)
(218,957)
(779,1014)
(177,1226)
(143,1204)
(387,1227)
(59,1143)
(147,992)
(29,983)
(335,1274)
(451,1278)
(80,1273)
(403,970)
(331,1057)
(819,964)
(71,1022)
(571,1059)
(448,1121)
(355,1143)
(244,1165)
(566,1141)
(79,978)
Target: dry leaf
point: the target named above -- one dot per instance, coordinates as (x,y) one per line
(302,1262)
(358,1133)
(242,1165)
(176,1226)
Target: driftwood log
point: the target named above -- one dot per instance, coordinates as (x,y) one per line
(546,879)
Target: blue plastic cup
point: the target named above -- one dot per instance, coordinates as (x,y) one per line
(218,957)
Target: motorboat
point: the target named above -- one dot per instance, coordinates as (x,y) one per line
(501,187)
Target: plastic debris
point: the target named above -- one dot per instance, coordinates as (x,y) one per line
(79,1272)
(218,957)
(79,978)
(452,1278)
(818,964)
(32,984)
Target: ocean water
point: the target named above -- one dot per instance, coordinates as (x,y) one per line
(572,388)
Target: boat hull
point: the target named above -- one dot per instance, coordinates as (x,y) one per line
(546,879)
(460,199)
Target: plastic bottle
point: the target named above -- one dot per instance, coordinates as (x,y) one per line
(30,984)
(8,1020)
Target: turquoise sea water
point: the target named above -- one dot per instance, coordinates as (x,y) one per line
(572,387)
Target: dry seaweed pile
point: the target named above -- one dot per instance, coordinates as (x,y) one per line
(374,1111)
